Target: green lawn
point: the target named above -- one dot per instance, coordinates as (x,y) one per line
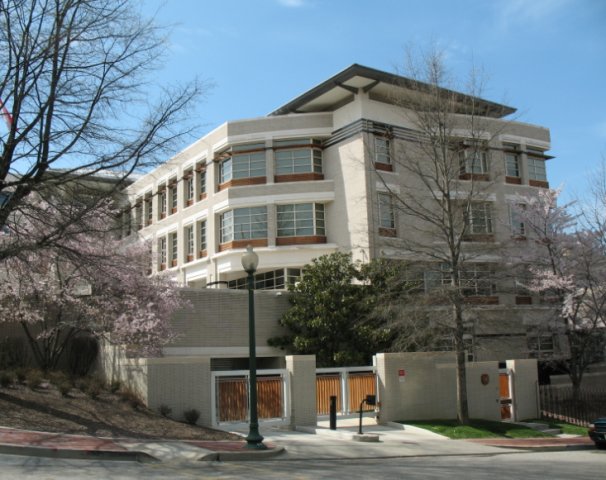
(476,429)
(567,428)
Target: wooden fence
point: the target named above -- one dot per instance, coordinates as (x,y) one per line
(558,403)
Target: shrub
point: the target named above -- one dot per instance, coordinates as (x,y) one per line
(64,387)
(6,379)
(191,416)
(34,379)
(82,354)
(132,398)
(165,410)
(21,374)
(57,377)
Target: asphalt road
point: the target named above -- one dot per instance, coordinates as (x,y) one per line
(578,465)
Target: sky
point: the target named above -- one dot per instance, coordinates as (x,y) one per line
(547,58)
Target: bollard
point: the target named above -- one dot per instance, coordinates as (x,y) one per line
(333,412)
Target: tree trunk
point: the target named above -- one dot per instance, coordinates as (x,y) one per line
(462,404)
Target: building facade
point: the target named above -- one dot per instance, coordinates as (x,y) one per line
(318,175)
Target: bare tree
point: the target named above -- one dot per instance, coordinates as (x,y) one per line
(444,199)
(75,97)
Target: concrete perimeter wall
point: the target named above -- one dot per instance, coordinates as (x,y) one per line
(418,386)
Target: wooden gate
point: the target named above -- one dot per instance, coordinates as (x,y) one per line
(349,385)
(231,397)
(505,396)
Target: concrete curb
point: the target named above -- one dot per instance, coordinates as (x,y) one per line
(243,456)
(76,454)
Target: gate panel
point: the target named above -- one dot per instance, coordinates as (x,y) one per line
(270,397)
(232,399)
(327,386)
(360,385)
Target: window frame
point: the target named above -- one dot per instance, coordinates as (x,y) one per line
(479,224)
(535,173)
(382,153)
(390,214)
(228,223)
(317,219)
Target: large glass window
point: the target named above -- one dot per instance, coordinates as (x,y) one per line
(300,219)
(244,224)
(512,164)
(298,156)
(382,150)
(478,218)
(477,280)
(162,252)
(473,161)
(201,174)
(148,210)
(536,169)
(162,201)
(174,248)
(518,227)
(189,243)
(202,239)
(173,196)
(273,280)
(189,183)
(386,211)
(245,161)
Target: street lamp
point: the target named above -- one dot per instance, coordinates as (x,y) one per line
(250,260)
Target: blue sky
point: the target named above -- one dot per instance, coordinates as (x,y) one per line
(547,58)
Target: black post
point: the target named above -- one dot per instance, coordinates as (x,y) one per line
(254,438)
(333,412)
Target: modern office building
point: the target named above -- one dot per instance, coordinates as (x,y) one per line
(318,175)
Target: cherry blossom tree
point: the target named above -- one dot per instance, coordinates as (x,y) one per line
(88,282)
(567,266)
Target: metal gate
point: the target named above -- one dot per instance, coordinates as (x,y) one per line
(232,399)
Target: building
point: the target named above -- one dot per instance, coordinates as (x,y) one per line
(317,175)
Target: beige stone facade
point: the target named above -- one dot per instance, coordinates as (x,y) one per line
(314,177)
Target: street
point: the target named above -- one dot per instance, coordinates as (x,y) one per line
(582,464)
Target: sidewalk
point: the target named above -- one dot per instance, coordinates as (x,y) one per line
(380,441)
(43,444)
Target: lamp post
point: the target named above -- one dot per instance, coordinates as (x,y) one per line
(254,440)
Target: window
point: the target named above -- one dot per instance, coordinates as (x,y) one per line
(473,161)
(201,181)
(273,280)
(202,239)
(189,243)
(302,219)
(536,169)
(162,201)
(174,197)
(512,165)
(298,156)
(477,280)
(139,214)
(245,161)
(386,212)
(148,210)
(540,345)
(382,150)
(478,218)
(189,183)
(244,224)
(516,220)
(162,252)
(174,248)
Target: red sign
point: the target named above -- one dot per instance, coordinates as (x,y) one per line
(401,373)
